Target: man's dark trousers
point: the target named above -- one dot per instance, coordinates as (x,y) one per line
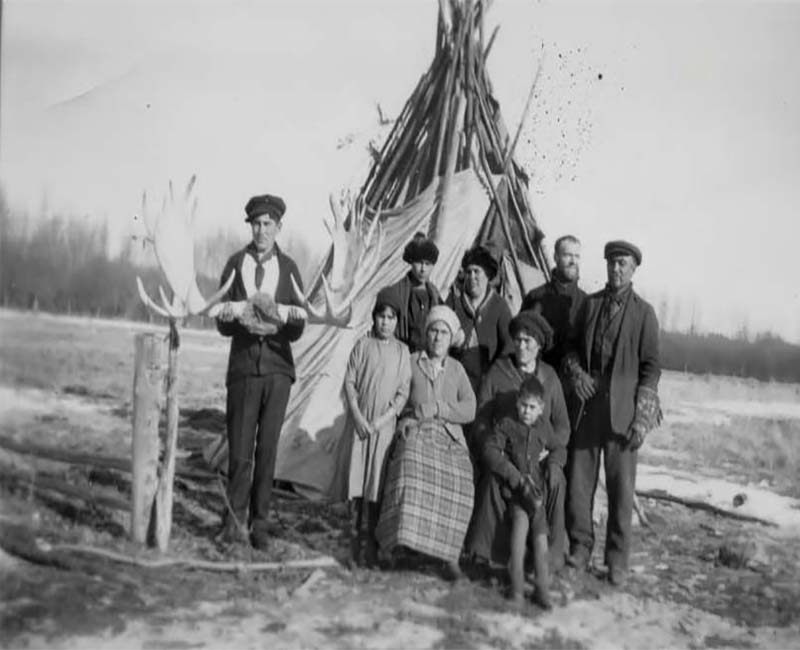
(557,532)
(255,411)
(593,435)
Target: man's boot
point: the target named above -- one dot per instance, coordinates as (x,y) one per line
(541,563)
(232,532)
(579,558)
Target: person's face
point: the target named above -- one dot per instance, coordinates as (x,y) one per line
(421,270)
(526,348)
(265,229)
(384,323)
(620,270)
(529,409)
(568,259)
(439,337)
(475,281)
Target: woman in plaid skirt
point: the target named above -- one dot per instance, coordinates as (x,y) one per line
(429,491)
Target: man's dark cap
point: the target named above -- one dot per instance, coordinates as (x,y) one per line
(622,247)
(265,204)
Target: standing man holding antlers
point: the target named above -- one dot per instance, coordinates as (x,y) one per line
(260,369)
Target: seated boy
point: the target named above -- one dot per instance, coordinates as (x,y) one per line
(512,452)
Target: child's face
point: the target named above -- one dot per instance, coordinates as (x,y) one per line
(421,270)
(529,409)
(384,323)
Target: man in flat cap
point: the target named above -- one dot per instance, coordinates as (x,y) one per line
(260,370)
(613,364)
(415,293)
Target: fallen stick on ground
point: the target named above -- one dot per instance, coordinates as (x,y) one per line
(94,460)
(41,483)
(662,495)
(305,588)
(203,565)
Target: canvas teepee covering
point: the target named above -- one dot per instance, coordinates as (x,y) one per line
(446,169)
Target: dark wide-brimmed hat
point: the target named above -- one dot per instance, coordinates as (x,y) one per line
(274,206)
(533,324)
(420,249)
(387,297)
(484,257)
(622,247)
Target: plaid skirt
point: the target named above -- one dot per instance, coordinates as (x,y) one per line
(428,495)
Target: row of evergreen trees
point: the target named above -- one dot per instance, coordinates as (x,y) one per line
(62,265)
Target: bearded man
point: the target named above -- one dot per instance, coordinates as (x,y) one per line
(559,300)
(613,365)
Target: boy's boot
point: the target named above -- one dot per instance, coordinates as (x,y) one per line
(541,593)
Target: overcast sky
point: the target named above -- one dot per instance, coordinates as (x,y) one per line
(672,124)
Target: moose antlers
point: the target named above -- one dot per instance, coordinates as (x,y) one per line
(355,258)
(170,232)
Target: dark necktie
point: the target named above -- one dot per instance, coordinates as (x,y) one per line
(259,273)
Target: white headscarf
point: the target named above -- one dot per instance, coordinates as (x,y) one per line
(443,314)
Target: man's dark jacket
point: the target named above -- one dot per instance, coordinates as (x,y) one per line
(636,353)
(253,355)
(559,301)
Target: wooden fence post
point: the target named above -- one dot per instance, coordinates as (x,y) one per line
(147,389)
(163,502)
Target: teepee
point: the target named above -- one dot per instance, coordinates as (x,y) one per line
(447,169)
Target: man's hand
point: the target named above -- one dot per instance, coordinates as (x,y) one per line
(295,315)
(554,476)
(261,328)
(529,495)
(584,385)
(636,435)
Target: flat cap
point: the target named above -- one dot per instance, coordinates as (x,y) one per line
(265,204)
(622,247)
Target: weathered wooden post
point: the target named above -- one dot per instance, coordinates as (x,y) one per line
(163,502)
(147,387)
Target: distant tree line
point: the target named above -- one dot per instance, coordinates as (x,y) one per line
(62,265)
(766,357)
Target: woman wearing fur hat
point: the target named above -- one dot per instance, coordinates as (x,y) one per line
(428,499)
(415,292)
(530,334)
(483,314)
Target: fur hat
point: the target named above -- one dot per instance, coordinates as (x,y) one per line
(483,257)
(420,249)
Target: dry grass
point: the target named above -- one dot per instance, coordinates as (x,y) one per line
(739,428)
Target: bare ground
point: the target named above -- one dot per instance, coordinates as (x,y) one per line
(698,580)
